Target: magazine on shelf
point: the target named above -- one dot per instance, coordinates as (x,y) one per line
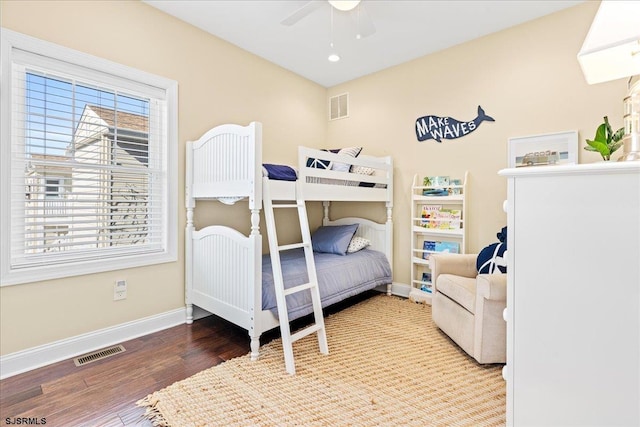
(426,278)
(428,246)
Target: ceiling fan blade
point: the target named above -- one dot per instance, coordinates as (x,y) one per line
(363,22)
(302,12)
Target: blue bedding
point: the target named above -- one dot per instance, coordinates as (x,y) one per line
(279,172)
(339,277)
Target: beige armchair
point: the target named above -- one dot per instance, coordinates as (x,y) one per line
(468,306)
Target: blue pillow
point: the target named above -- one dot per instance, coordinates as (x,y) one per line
(333,239)
(492,259)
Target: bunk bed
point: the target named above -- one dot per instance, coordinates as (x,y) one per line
(225,269)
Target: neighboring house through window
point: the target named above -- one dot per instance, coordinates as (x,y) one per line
(94,145)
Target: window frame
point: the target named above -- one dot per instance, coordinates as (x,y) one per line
(12,45)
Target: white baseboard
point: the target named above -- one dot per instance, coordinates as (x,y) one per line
(36,357)
(397,289)
(400,289)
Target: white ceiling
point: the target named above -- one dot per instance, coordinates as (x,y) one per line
(405,30)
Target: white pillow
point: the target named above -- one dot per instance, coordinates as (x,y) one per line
(357,243)
(349,151)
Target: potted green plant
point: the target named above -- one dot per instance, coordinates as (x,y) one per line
(605,141)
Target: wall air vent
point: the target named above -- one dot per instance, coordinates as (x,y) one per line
(339,106)
(98,355)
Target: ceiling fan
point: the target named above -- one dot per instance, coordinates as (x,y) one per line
(358,13)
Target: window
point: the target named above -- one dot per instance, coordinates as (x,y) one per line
(52,187)
(89,163)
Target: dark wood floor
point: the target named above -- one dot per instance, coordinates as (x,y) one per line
(104,393)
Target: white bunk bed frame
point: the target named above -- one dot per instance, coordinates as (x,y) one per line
(223,266)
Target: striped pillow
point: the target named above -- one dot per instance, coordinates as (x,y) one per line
(349,151)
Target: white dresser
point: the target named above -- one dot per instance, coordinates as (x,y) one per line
(573,295)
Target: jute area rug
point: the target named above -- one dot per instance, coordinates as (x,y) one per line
(389,365)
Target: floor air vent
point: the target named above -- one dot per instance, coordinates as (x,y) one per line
(98,355)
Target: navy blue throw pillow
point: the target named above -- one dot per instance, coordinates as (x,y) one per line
(493,258)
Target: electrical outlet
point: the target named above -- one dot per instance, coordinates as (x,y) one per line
(120,290)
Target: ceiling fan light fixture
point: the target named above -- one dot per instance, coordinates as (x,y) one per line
(344,5)
(334,57)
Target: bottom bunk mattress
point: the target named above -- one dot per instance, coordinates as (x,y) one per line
(339,277)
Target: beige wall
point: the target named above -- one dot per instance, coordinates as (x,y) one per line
(527,78)
(218,83)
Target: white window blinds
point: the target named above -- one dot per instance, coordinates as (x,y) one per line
(89,168)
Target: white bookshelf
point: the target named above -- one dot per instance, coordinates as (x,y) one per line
(445,229)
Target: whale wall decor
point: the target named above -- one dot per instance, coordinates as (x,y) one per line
(439,128)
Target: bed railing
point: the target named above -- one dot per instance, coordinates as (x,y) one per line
(380,182)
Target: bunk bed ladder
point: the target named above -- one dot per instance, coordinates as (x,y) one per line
(318,327)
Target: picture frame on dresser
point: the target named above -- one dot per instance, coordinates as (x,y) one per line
(544,149)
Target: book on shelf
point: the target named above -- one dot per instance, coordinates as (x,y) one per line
(458,183)
(435,181)
(448,247)
(455,222)
(428,246)
(426,288)
(436,192)
(441,186)
(445,219)
(426,285)
(427,213)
